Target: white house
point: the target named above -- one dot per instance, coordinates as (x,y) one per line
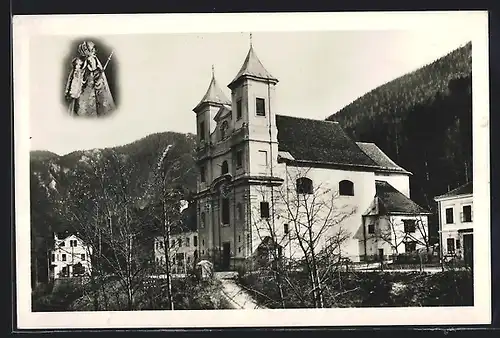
(259,170)
(456,222)
(394,224)
(183,251)
(70,257)
(183,246)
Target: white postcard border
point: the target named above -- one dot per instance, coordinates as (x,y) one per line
(27,27)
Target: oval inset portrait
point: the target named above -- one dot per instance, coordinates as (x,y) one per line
(90,88)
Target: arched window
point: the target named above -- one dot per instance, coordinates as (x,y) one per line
(225,168)
(304,185)
(346,188)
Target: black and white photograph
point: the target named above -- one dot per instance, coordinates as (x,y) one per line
(313,176)
(87,91)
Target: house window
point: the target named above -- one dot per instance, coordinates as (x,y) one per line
(72,243)
(449,215)
(457,244)
(239,159)
(286,230)
(239,211)
(203,242)
(195,241)
(371,228)
(82,257)
(161,244)
(260,106)
(410,246)
(264,209)
(467,213)
(224,168)
(409,226)
(223,130)
(238,110)
(239,238)
(62,243)
(225,211)
(450,245)
(239,249)
(304,185)
(346,188)
(179,242)
(202,220)
(53,258)
(202,130)
(202,174)
(64,257)
(187,241)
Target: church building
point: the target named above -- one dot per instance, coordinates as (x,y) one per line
(266,177)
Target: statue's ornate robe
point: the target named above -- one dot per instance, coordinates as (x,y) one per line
(87,89)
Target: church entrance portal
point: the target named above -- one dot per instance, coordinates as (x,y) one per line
(226,255)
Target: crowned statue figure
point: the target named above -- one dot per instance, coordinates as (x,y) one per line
(87,90)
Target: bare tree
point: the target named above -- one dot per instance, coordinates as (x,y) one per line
(313,214)
(101,207)
(164,186)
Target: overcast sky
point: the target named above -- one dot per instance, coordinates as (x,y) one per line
(162,77)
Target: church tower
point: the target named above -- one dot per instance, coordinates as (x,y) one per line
(208,107)
(236,158)
(253,105)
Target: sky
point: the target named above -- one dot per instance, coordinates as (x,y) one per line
(162,77)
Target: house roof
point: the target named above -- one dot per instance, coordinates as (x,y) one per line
(388,200)
(465,189)
(62,235)
(214,94)
(319,141)
(379,157)
(254,68)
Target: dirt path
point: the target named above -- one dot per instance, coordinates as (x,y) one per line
(236,296)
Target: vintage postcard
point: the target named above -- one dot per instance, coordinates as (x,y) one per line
(241,170)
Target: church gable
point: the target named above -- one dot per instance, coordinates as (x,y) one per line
(319,141)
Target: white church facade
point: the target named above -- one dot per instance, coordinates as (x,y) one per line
(266,176)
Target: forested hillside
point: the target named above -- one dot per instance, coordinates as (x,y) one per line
(64,185)
(423,120)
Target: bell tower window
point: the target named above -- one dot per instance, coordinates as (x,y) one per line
(260,106)
(202,131)
(238,110)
